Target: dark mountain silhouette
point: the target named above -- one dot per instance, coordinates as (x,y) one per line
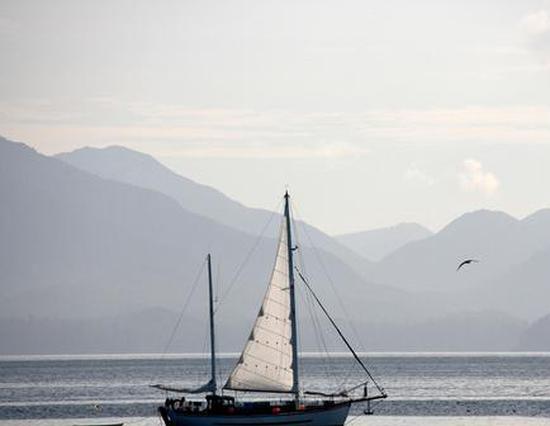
(377,243)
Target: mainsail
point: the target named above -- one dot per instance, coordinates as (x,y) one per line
(265,364)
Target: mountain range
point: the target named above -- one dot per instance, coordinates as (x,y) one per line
(378,243)
(78,247)
(123,165)
(105,246)
(512,270)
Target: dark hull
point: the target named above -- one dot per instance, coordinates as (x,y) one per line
(326,416)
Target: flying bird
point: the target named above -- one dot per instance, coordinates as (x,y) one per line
(467,262)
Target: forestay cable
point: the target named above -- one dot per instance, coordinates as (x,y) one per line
(359,361)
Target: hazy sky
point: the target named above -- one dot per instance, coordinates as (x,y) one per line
(374,112)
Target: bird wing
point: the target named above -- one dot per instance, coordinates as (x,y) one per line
(466,262)
(462,264)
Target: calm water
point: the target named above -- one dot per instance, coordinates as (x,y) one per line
(437,389)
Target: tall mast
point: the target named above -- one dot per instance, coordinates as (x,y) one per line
(212,336)
(293,325)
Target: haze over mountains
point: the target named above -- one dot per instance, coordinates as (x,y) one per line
(377,243)
(512,274)
(78,247)
(100,248)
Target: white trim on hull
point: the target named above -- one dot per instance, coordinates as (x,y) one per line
(329,416)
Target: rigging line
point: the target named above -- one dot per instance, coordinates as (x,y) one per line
(218,282)
(302,315)
(353,388)
(350,370)
(205,346)
(299,259)
(217,291)
(302,264)
(274,212)
(316,329)
(320,340)
(178,322)
(340,333)
(321,344)
(182,312)
(327,355)
(326,358)
(325,270)
(347,376)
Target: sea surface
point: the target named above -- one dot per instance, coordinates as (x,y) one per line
(424,389)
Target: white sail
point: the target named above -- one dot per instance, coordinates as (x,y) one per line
(266,361)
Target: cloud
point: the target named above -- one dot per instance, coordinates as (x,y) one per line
(536,26)
(522,124)
(473,178)
(332,150)
(536,23)
(181,130)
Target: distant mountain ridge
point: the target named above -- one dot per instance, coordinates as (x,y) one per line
(136,168)
(84,254)
(378,243)
(142,170)
(498,240)
(77,247)
(70,235)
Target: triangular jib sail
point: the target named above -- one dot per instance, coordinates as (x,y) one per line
(265,364)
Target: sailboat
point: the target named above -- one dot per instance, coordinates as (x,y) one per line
(268,364)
